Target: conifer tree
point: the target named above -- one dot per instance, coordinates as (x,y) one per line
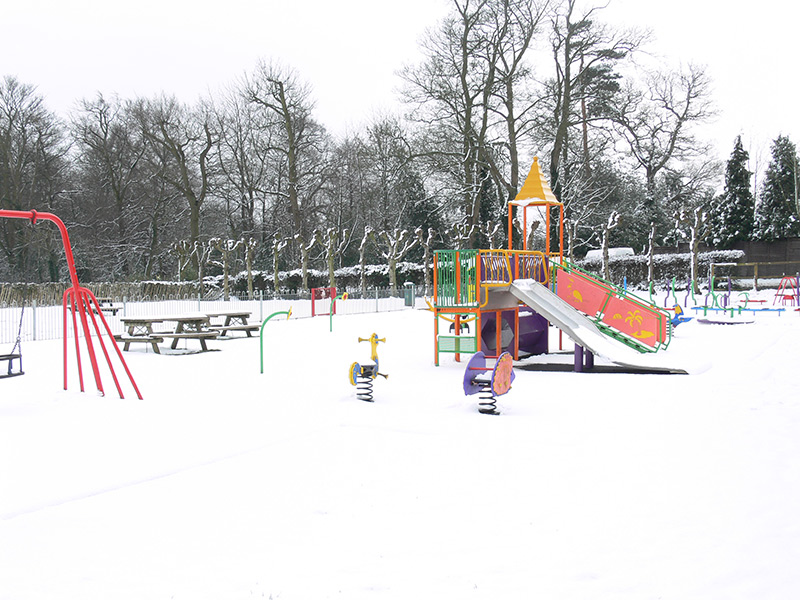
(734,219)
(777,211)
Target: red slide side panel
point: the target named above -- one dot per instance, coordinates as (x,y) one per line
(633,320)
(580,293)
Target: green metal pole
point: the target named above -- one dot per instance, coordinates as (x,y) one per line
(333,305)
(714,294)
(288,314)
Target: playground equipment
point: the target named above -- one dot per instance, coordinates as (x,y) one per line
(83,304)
(489,382)
(332,311)
(15,353)
(288,314)
(788,291)
(361,376)
(680,316)
(486,286)
(319,296)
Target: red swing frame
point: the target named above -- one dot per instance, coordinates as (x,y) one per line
(82,302)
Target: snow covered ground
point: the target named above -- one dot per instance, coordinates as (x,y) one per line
(224,483)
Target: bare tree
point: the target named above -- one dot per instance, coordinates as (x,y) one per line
(514,104)
(334,246)
(584,203)
(656,121)
(396,244)
(186,138)
(369,236)
(491,231)
(694,219)
(278,244)
(461,233)
(32,174)
(426,239)
(305,255)
(585,53)
(244,159)
(611,223)
(250,246)
(183,251)
(227,250)
(650,251)
(202,253)
(451,93)
(302,147)
(109,152)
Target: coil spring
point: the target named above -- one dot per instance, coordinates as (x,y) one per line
(487,402)
(364,388)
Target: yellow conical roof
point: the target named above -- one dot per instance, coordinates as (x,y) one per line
(535,186)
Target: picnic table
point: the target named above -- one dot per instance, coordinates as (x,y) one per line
(140,329)
(234,321)
(106,305)
(192,326)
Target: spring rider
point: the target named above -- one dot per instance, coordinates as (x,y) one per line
(361,376)
(489,382)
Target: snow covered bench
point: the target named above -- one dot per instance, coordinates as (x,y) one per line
(154,340)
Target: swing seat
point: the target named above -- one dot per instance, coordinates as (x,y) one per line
(10,358)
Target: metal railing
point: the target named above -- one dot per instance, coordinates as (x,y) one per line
(458,274)
(769,270)
(46,322)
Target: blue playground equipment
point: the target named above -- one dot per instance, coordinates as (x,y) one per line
(680,316)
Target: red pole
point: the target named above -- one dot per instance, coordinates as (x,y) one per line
(79,299)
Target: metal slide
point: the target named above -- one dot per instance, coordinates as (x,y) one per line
(583,331)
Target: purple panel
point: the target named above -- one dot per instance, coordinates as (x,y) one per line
(478,361)
(533,333)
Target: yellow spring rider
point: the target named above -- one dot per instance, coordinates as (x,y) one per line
(361,376)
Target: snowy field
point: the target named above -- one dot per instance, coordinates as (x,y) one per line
(224,483)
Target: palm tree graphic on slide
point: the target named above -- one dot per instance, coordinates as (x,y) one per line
(634,319)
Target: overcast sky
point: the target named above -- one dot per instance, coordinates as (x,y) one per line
(350,50)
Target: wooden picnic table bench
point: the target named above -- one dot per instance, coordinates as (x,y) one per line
(192,326)
(154,340)
(234,321)
(140,329)
(106,306)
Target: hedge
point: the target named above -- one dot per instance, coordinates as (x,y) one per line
(633,269)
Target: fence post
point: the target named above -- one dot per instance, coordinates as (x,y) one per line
(377,308)
(198,302)
(33,305)
(261,306)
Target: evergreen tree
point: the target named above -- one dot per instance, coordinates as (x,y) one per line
(733,218)
(777,211)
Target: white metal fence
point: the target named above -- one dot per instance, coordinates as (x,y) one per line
(46,322)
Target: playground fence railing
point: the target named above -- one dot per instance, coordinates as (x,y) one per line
(46,322)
